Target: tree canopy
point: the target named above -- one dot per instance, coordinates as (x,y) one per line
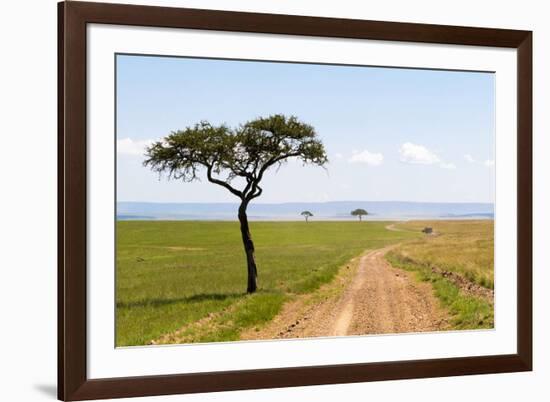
(246,151)
(306,214)
(359,212)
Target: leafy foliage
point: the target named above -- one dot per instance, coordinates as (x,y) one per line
(225,153)
(359,212)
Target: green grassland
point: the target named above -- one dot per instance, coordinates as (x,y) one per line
(173,273)
(463,247)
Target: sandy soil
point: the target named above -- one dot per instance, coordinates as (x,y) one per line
(369,296)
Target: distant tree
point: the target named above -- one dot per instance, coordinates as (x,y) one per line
(306,214)
(359,212)
(245,152)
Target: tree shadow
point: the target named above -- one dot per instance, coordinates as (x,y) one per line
(198,298)
(47,389)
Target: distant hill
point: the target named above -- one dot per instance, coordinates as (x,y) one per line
(336,210)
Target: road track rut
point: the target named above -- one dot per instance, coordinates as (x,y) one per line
(369,297)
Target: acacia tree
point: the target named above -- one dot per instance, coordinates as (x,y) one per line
(244,153)
(359,212)
(306,214)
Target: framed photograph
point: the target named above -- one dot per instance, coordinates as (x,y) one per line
(253,200)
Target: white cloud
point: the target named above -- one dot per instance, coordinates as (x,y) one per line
(372,159)
(417,154)
(420,155)
(128,146)
(447,165)
(338,155)
(469,158)
(489,163)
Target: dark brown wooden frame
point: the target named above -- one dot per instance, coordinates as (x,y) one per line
(73,383)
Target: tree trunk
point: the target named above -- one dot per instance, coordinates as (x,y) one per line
(248,249)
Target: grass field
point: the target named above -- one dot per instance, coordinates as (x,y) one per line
(171,274)
(462,247)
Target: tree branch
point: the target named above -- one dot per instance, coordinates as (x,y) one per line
(273,161)
(253,190)
(222,183)
(258,191)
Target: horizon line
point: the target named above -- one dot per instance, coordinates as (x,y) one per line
(306,202)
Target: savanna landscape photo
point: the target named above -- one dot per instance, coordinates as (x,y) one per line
(270,201)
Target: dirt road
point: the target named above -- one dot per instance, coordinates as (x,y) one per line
(368,297)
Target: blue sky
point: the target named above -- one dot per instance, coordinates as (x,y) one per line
(390,134)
